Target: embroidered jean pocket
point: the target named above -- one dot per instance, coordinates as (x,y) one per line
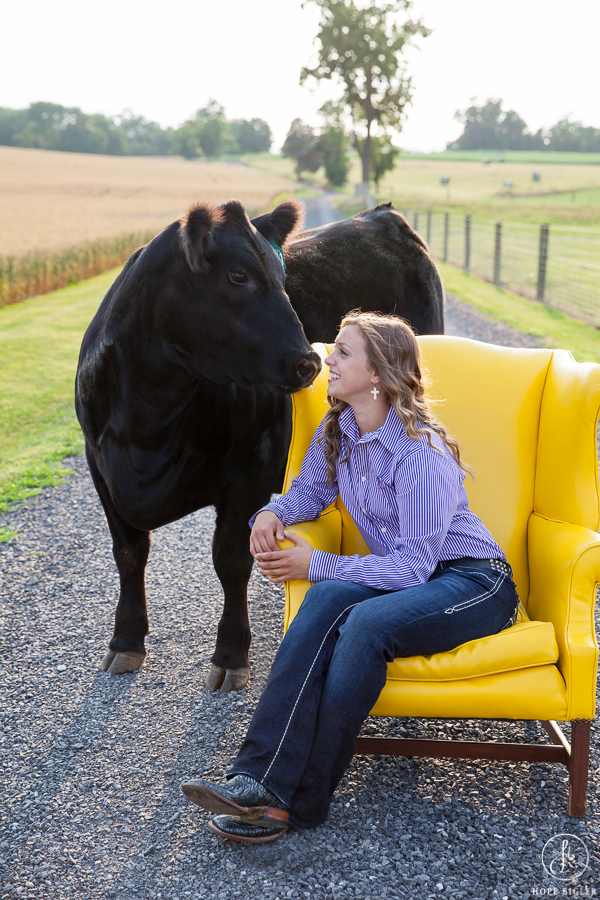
(466,604)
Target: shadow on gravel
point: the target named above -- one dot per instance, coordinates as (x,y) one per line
(91,764)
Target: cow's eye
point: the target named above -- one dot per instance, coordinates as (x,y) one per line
(238,277)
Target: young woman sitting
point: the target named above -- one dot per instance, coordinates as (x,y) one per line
(435,579)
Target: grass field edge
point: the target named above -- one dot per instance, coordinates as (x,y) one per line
(553,327)
(20,485)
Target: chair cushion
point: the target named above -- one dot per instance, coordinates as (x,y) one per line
(538,693)
(523,646)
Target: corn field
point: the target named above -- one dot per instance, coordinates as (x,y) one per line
(39,273)
(555,264)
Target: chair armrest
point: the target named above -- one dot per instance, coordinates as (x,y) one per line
(564,569)
(322,534)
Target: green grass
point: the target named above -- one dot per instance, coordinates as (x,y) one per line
(39,348)
(554,328)
(523,156)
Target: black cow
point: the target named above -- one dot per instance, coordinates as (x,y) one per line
(374,261)
(183,377)
(181,394)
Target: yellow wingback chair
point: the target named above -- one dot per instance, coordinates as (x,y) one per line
(526,421)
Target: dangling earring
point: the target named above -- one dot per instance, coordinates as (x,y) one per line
(375,392)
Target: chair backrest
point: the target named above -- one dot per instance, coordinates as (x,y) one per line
(526,423)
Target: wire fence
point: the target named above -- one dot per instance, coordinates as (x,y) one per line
(555,264)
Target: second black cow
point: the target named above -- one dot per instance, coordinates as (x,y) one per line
(182,392)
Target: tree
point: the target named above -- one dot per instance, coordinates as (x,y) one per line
(569,135)
(251,135)
(489,127)
(301,145)
(186,140)
(383,157)
(362,47)
(11,122)
(331,151)
(143,137)
(93,134)
(214,131)
(207,133)
(44,125)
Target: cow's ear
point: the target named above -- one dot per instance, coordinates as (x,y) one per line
(196,235)
(279,224)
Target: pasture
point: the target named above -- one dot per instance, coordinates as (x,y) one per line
(50,201)
(522,156)
(475,188)
(479,190)
(39,347)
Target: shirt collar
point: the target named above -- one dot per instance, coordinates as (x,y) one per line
(390,434)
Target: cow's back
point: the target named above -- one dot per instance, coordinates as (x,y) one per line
(374,261)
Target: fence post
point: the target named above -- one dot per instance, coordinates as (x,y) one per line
(467,243)
(497,251)
(543,259)
(428,228)
(446,230)
(416,221)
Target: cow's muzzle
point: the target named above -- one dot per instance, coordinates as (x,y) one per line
(308,369)
(297,371)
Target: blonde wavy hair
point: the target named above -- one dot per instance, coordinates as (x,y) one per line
(394,354)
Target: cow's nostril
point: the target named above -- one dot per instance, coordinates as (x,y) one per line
(306,370)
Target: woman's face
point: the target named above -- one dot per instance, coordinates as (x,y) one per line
(350,376)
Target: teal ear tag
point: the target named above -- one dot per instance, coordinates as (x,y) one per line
(279,252)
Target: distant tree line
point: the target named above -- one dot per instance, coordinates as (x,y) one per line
(49,126)
(489,127)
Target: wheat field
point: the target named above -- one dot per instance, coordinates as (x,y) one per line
(51,201)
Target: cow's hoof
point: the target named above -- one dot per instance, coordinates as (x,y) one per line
(215,677)
(120,663)
(227,679)
(110,655)
(235,679)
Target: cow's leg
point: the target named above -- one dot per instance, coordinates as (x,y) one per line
(131,547)
(230,667)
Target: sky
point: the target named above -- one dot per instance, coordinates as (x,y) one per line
(165,60)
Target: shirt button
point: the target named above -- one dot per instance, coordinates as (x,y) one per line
(384,529)
(363,478)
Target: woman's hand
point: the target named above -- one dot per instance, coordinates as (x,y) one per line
(286,565)
(266,531)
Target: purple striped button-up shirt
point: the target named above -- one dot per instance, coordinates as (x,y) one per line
(406,498)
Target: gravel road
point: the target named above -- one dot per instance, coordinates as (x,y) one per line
(319,211)
(91,764)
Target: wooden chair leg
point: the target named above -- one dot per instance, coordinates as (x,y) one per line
(579,766)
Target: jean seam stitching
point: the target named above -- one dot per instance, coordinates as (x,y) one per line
(467,603)
(473,571)
(316,656)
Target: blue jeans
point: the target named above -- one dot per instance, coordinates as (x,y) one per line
(331,667)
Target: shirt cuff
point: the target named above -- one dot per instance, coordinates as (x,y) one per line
(322,566)
(273,507)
